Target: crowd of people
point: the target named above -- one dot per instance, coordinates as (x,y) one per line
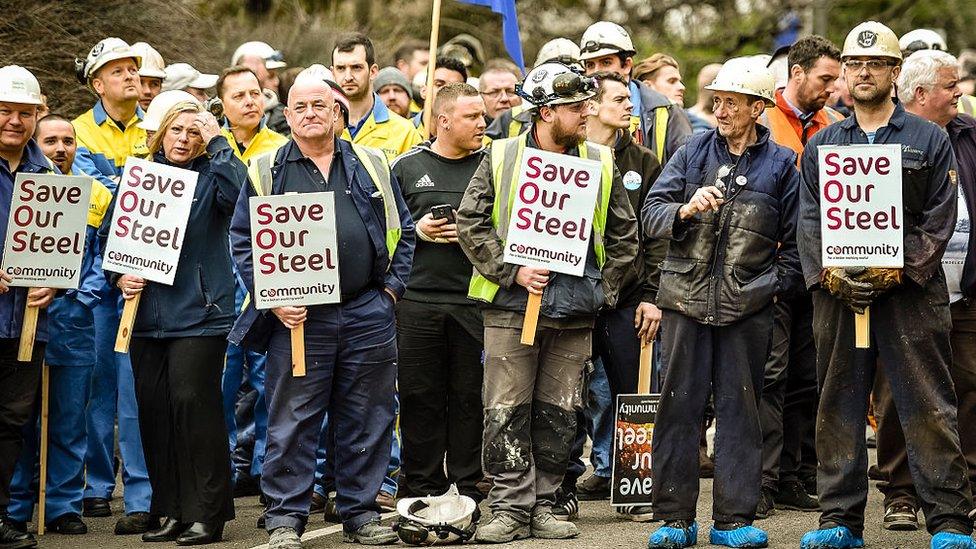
(419,393)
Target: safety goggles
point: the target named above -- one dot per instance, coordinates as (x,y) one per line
(873,65)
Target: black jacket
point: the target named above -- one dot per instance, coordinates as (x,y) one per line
(201,300)
(962,135)
(724,266)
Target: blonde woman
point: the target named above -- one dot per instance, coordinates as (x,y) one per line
(178,342)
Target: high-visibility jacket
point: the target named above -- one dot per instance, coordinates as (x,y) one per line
(967,105)
(263,141)
(787,129)
(506,157)
(385,130)
(103,146)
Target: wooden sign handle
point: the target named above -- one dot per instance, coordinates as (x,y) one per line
(531,319)
(298,350)
(862,329)
(644,374)
(42,481)
(27,334)
(124,336)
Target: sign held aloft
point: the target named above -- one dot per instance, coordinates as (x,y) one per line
(296,256)
(152,206)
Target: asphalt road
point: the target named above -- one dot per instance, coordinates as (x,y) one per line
(600,529)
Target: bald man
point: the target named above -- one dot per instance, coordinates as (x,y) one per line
(351,345)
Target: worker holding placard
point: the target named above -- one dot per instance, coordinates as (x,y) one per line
(546,216)
(350,343)
(878,206)
(727,201)
(166,249)
(20,96)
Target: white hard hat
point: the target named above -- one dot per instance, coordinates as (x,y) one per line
(747,75)
(106,50)
(152,63)
(562,50)
(160,105)
(605,38)
(273,59)
(871,39)
(921,39)
(436,520)
(18,85)
(180,76)
(555,84)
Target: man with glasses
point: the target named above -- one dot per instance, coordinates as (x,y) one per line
(910,321)
(497,87)
(732,253)
(530,391)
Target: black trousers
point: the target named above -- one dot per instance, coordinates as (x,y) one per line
(727,362)
(910,335)
(789,395)
(19,385)
(184,435)
(440,379)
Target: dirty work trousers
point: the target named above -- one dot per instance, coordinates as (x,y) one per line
(910,335)
(530,394)
(725,362)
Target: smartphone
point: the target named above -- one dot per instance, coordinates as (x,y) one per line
(443,211)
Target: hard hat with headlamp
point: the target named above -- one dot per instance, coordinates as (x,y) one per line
(552,84)
(605,38)
(105,51)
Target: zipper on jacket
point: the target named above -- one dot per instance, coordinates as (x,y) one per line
(722,232)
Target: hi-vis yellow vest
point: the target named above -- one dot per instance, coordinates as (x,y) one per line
(259,172)
(506,158)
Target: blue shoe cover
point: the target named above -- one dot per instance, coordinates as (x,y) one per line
(666,537)
(952,540)
(830,538)
(745,536)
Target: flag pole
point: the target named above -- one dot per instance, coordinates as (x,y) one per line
(435,26)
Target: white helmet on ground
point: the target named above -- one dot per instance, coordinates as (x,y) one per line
(106,50)
(605,38)
(436,520)
(160,105)
(152,62)
(551,84)
(18,85)
(747,75)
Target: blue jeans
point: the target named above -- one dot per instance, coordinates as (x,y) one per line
(113,392)
(67,442)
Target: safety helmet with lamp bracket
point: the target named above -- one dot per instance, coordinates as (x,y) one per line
(436,520)
(605,38)
(105,51)
(19,85)
(552,84)
(921,39)
(560,50)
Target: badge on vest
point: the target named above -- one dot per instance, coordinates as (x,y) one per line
(632,180)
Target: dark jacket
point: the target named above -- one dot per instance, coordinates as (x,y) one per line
(14,302)
(928,195)
(962,135)
(679,127)
(201,300)
(639,169)
(724,266)
(252,328)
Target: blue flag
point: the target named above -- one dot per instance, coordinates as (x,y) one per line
(510,29)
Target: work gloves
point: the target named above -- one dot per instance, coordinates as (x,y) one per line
(858,287)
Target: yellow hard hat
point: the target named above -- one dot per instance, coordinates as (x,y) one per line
(871,39)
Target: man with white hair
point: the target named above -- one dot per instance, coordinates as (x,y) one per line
(350,346)
(928,86)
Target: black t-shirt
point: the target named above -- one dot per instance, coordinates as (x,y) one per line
(441,272)
(356,251)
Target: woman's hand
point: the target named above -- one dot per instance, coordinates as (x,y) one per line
(131,285)
(207,124)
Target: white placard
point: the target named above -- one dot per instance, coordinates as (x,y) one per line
(152,206)
(861,216)
(551,218)
(46,230)
(296,258)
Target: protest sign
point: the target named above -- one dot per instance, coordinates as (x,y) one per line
(634,429)
(551,219)
(296,256)
(861,216)
(152,206)
(45,239)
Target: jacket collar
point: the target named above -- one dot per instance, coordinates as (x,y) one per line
(32,160)
(762,137)
(960,124)
(98,111)
(381,113)
(897,119)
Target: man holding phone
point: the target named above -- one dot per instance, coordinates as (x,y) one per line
(440,329)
